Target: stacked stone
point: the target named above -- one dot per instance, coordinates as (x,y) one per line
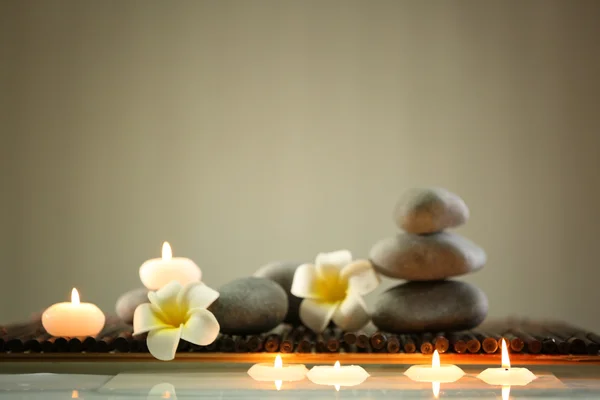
(427,255)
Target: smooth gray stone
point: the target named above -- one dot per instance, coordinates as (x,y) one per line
(430,210)
(128,302)
(441,306)
(282,272)
(249,306)
(426,257)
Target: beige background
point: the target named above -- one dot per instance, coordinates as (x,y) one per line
(248,131)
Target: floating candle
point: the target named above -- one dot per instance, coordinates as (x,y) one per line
(74,319)
(277,372)
(436,372)
(157,272)
(337,376)
(506,376)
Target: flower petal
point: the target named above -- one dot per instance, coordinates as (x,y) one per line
(304,281)
(162,343)
(167,293)
(146,318)
(197,295)
(362,277)
(316,315)
(352,313)
(337,258)
(201,328)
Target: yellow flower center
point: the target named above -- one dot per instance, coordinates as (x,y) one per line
(173,314)
(329,287)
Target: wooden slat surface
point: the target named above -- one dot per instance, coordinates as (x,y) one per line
(320,358)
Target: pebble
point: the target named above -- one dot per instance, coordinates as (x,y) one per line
(128,302)
(442,306)
(426,257)
(282,272)
(251,305)
(430,210)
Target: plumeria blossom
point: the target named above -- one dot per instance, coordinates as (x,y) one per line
(177,312)
(332,289)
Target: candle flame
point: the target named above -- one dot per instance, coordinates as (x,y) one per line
(435,386)
(166,395)
(505,392)
(74,296)
(167,254)
(336,365)
(505,358)
(337,388)
(278,385)
(435,362)
(74,394)
(278,362)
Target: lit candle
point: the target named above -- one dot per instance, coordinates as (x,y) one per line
(337,376)
(436,372)
(506,376)
(157,272)
(277,372)
(74,319)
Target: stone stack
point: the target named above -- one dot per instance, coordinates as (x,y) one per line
(427,255)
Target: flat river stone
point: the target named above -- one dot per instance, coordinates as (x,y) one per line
(426,257)
(128,302)
(282,272)
(430,210)
(442,306)
(249,306)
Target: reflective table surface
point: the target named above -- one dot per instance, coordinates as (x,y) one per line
(232,382)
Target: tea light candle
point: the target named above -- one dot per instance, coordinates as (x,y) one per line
(436,372)
(350,375)
(157,272)
(277,372)
(74,319)
(506,376)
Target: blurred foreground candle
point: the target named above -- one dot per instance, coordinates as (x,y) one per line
(74,319)
(157,272)
(337,375)
(506,376)
(277,372)
(436,374)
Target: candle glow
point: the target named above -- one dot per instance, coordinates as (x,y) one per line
(506,375)
(73,319)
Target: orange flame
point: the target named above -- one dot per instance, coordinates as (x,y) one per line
(505,358)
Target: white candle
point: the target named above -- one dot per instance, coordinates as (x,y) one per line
(157,272)
(436,372)
(74,319)
(506,376)
(277,372)
(350,375)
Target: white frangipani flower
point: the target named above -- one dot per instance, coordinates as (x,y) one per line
(332,289)
(177,312)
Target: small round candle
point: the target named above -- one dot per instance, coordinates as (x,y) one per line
(157,272)
(436,372)
(506,376)
(336,375)
(74,319)
(277,372)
